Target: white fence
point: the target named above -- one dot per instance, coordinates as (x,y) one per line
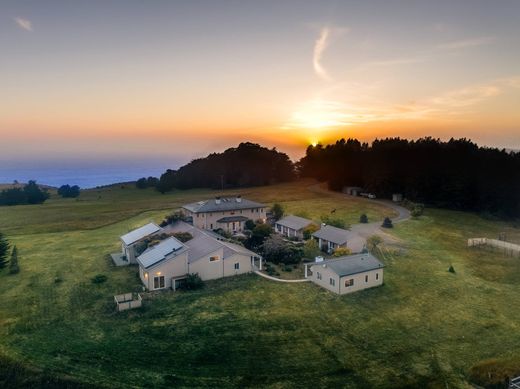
(508,248)
(127,301)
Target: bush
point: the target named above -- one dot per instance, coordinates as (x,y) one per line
(417,210)
(363,218)
(309,230)
(193,282)
(249,225)
(494,373)
(341,251)
(174,217)
(373,242)
(311,249)
(387,223)
(335,222)
(98,279)
(287,268)
(277,250)
(13,263)
(277,211)
(68,191)
(451,269)
(183,236)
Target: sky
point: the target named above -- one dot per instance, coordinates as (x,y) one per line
(173,80)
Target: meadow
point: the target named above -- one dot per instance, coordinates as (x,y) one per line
(425,327)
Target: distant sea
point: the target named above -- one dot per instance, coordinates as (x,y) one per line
(84,174)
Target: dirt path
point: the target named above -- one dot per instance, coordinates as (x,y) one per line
(279,279)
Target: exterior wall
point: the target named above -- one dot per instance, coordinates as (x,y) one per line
(339,287)
(129,251)
(244,262)
(359,281)
(330,245)
(288,232)
(175,267)
(208,220)
(206,269)
(326,275)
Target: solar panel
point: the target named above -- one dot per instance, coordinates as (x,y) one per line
(158,252)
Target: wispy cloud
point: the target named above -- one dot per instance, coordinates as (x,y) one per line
(467,96)
(465,43)
(319,47)
(396,61)
(24,24)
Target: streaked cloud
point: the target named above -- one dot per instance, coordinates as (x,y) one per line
(465,43)
(24,24)
(396,61)
(319,47)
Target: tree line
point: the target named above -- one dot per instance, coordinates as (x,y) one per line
(249,164)
(455,174)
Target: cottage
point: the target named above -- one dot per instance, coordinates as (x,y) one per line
(352,190)
(167,264)
(229,214)
(347,274)
(330,238)
(130,240)
(292,226)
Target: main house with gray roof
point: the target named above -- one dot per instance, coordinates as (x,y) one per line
(347,274)
(330,238)
(227,213)
(292,226)
(168,263)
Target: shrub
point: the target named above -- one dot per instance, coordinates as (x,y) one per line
(373,242)
(387,223)
(13,263)
(193,282)
(494,373)
(174,217)
(4,250)
(183,236)
(277,250)
(331,221)
(341,251)
(311,249)
(277,211)
(363,218)
(249,225)
(309,230)
(451,269)
(417,210)
(98,279)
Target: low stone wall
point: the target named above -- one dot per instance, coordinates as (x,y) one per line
(126,301)
(508,248)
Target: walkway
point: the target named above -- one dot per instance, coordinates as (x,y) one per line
(279,279)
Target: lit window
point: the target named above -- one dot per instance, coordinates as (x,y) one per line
(237,266)
(349,282)
(214,258)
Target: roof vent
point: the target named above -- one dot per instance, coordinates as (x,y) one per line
(217,200)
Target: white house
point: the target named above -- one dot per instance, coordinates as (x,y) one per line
(347,274)
(292,226)
(131,239)
(168,263)
(330,238)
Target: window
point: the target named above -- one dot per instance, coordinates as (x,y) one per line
(211,225)
(332,281)
(349,282)
(214,258)
(377,276)
(158,282)
(318,275)
(237,266)
(366,278)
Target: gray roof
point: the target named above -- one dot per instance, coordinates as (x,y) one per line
(225,204)
(140,233)
(232,249)
(334,234)
(351,264)
(167,249)
(294,222)
(201,246)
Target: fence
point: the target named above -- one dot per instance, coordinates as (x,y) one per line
(514,383)
(508,248)
(127,301)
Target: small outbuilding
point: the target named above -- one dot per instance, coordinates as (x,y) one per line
(397,197)
(347,274)
(352,190)
(131,239)
(292,226)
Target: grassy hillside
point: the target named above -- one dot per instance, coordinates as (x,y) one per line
(424,327)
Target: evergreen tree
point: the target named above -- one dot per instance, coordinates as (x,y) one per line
(4,250)
(13,264)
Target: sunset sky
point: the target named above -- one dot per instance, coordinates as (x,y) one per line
(136,79)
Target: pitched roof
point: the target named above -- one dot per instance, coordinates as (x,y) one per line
(225,204)
(201,246)
(167,249)
(334,234)
(351,264)
(140,233)
(294,222)
(231,249)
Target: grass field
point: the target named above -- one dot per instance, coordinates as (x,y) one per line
(424,327)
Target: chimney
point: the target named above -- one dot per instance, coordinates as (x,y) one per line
(239,198)
(217,200)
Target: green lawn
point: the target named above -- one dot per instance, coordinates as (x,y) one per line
(424,327)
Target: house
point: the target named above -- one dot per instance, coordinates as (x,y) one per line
(292,226)
(330,238)
(228,213)
(347,274)
(167,264)
(133,238)
(352,190)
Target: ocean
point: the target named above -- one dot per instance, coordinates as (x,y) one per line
(84,174)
